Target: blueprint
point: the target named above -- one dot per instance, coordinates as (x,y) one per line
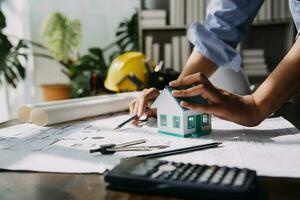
(272,148)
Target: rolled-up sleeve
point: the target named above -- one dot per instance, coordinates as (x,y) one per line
(227,21)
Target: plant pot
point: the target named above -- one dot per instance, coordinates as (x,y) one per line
(52,92)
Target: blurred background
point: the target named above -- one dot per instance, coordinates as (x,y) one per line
(53,49)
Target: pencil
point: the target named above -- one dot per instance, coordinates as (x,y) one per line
(181,150)
(129,120)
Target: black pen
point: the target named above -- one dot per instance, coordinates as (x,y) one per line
(181,150)
(129,120)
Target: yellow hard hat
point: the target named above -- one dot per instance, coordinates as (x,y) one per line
(128,72)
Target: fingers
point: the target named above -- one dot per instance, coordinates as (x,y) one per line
(189,80)
(139,105)
(148,95)
(136,107)
(131,106)
(210,109)
(208,92)
(135,122)
(148,114)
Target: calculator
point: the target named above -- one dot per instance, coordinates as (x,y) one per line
(183,180)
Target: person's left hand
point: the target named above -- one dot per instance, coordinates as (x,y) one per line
(239,109)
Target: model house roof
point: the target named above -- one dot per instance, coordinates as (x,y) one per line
(194,99)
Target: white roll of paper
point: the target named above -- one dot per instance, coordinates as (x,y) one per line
(25,110)
(47,115)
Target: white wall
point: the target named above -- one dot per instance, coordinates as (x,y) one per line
(18,25)
(99,20)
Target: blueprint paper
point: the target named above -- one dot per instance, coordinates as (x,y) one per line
(272,148)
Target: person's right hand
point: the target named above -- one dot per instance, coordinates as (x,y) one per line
(139,105)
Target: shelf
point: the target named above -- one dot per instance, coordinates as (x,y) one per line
(184,27)
(272,22)
(168,27)
(257,75)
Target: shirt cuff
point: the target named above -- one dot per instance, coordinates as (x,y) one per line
(208,44)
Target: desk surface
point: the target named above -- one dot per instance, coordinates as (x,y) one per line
(36,186)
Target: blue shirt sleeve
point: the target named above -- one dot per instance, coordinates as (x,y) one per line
(227,21)
(295,11)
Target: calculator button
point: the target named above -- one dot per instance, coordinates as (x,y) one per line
(163,171)
(218,175)
(167,167)
(156,174)
(186,174)
(178,165)
(207,174)
(182,170)
(165,176)
(196,173)
(229,176)
(240,178)
(174,176)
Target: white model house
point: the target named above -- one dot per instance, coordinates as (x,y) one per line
(172,119)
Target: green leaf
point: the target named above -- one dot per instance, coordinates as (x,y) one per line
(62,36)
(127,36)
(2,21)
(11,57)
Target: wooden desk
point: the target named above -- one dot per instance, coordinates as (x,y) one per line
(44,186)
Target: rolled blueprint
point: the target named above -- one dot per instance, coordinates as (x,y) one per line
(25,110)
(53,114)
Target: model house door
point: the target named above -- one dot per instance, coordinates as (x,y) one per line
(198,123)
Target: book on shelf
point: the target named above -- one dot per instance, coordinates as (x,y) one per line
(172,12)
(253,60)
(180,15)
(185,50)
(153,14)
(250,72)
(196,6)
(262,14)
(156,53)
(273,10)
(202,11)
(167,55)
(196,11)
(268,9)
(148,46)
(189,12)
(254,63)
(153,22)
(177,12)
(253,52)
(176,53)
(153,18)
(257,66)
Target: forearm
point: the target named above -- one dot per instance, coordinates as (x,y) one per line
(281,83)
(198,63)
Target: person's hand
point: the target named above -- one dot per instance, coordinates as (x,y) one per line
(139,105)
(239,109)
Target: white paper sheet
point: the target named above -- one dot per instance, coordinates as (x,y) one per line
(272,148)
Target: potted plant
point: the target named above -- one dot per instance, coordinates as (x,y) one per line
(12,57)
(62,37)
(90,72)
(87,72)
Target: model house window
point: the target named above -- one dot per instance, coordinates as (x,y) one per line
(163,120)
(176,122)
(191,122)
(205,119)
